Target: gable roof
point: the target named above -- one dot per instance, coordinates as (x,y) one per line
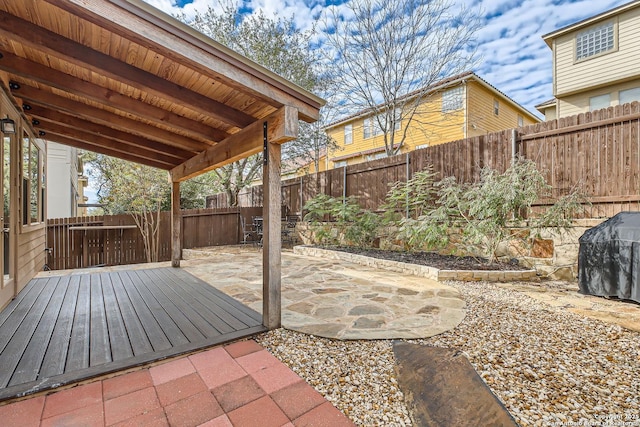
(121,78)
(548,38)
(439,85)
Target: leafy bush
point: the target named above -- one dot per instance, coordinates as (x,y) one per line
(483,211)
(335,221)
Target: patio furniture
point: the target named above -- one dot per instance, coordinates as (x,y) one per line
(249,232)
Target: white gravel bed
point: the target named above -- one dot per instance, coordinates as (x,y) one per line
(548,367)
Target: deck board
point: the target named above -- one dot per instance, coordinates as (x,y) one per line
(65,329)
(53,364)
(118,338)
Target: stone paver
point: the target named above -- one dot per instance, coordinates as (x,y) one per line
(334,298)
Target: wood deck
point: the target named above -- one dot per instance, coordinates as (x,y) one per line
(63,329)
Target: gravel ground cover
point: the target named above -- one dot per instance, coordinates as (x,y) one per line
(548,367)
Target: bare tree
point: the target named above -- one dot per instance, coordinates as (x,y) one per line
(387,54)
(276,44)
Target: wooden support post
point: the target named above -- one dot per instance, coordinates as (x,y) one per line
(272,239)
(176,225)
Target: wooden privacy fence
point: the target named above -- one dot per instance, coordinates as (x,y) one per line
(116,240)
(597,151)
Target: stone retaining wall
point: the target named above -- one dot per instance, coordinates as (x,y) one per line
(552,255)
(419,270)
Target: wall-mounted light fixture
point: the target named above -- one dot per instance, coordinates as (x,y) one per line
(7,126)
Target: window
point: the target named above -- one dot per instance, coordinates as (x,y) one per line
(368,128)
(372,125)
(496,107)
(376,156)
(348,134)
(629,95)
(600,101)
(520,121)
(452,99)
(418,147)
(32,182)
(340,164)
(594,41)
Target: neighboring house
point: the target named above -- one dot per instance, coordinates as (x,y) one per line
(299,166)
(596,63)
(458,107)
(65,174)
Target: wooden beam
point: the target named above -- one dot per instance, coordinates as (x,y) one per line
(176,225)
(272,238)
(39,38)
(72,142)
(281,128)
(34,96)
(53,78)
(98,141)
(41,113)
(194,50)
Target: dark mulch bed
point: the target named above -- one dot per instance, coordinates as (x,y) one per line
(431,259)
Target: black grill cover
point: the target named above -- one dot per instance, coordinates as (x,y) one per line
(609,258)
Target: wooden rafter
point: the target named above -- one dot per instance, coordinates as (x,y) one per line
(54,116)
(56,79)
(208,57)
(36,37)
(131,149)
(96,147)
(34,96)
(282,126)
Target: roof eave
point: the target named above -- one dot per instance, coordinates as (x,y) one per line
(196,38)
(548,38)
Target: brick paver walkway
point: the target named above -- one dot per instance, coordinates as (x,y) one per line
(240,384)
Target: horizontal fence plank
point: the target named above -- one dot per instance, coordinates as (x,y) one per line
(597,152)
(116,240)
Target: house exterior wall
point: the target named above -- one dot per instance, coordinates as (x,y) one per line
(579,103)
(481,117)
(62,174)
(26,241)
(431,126)
(575,80)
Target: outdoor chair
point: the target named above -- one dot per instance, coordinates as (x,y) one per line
(249,232)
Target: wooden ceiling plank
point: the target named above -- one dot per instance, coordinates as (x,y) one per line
(39,38)
(50,77)
(61,139)
(186,46)
(282,126)
(103,140)
(35,96)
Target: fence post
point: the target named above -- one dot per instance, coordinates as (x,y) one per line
(514,146)
(407,189)
(344,184)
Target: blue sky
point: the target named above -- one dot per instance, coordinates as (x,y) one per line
(512,55)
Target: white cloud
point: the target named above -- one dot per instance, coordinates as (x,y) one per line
(513,56)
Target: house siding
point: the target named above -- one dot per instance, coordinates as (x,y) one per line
(481,117)
(579,103)
(31,254)
(616,66)
(29,242)
(430,126)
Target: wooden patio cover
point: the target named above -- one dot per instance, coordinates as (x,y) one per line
(121,78)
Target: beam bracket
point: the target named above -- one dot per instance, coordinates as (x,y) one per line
(265,144)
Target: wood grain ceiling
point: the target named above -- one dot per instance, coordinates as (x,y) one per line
(120,78)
